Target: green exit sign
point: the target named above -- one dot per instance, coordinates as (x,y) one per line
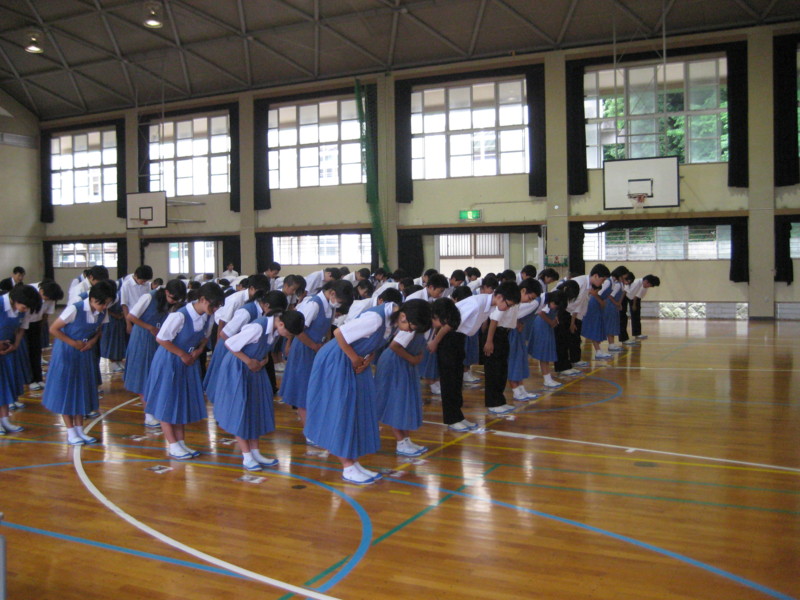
(469,215)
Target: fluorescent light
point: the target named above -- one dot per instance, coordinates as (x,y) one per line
(33,42)
(152,15)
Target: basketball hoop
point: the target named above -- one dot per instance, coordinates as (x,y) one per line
(637,200)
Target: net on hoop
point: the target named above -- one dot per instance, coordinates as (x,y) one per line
(637,200)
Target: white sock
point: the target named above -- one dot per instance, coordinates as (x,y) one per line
(81,434)
(72,435)
(403,442)
(364,470)
(183,445)
(353,473)
(247,459)
(549,378)
(6,423)
(177,449)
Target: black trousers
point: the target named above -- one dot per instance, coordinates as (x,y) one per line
(636,317)
(623,319)
(450,358)
(563,340)
(33,336)
(496,369)
(271,373)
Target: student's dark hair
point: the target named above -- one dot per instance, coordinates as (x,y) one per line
(570,289)
(405,282)
(364,272)
(365,284)
(244,283)
(548,272)
(26,295)
(294,321)
(490,281)
(182,277)
(176,288)
(103,291)
(460,293)
(653,280)
(158,281)
(273,266)
(18,269)
(559,297)
(411,289)
(468,271)
(446,311)
(629,276)
(335,273)
(52,290)
(381,271)
(276,300)
(429,272)
(508,290)
(528,271)
(531,285)
(344,270)
(342,288)
(458,275)
(399,274)
(476,271)
(601,270)
(143,272)
(194,285)
(297,280)
(98,273)
(438,281)
(224,283)
(391,295)
(508,275)
(619,272)
(418,314)
(259,281)
(211,292)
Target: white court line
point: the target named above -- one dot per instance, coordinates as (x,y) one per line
(630,449)
(76,459)
(764,370)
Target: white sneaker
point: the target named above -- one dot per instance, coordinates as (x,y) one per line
(151,421)
(502,409)
(630,343)
(614,348)
(463,426)
(436,389)
(581,363)
(602,355)
(520,393)
(117,367)
(470,377)
(571,372)
(552,384)
(408,448)
(35,386)
(280,367)
(641,337)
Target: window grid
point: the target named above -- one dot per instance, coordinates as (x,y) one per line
(471,245)
(190,156)
(683,242)
(794,241)
(344,248)
(84,167)
(469,130)
(84,255)
(647,111)
(315,144)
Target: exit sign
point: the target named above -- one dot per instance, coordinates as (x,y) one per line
(469,215)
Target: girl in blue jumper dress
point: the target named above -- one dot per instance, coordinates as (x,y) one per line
(147,316)
(71,381)
(613,307)
(19,300)
(264,302)
(544,343)
(318,312)
(174,390)
(519,337)
(244,405)
(113,341)
(397,387)
(341,389)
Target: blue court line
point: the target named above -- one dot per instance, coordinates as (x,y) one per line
(120,549)
(613,396)
(619,537)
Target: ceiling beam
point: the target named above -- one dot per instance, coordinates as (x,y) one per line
(648,31)
(566,23)
(117,51)
(662,22)
(476,28)
(748,9)
(32,106)
(532,26)
(181,54)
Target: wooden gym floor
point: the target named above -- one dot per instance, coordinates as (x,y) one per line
(672,471)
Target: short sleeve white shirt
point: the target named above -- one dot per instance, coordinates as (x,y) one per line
(474,312)
(174,324)
(250,334)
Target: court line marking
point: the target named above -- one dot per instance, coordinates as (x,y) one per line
(76,459)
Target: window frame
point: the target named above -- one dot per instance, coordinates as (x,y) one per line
(59,251)
(679,248)
(294,249)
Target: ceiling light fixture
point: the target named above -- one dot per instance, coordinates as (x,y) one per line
(33,41)
(153,15)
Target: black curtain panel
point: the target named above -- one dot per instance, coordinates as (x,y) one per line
(784,84)
(122,257)
(577,174)
(784,266)
(738,159)
(402,136)
(575,252)
(233,120)
(264,254)
(740,251)
(232,251)
(261,192)
(537,134)
(410,253)
(122,188)
(49,270)
(47,214)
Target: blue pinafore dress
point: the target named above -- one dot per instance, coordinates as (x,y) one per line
(142,347)
(593,327)
(397,389)
(221,351)
(341,404)
(294,385)
(611,310)
(12,382)
(244,398)
(71,380)
(544,341)
(518,368)
(174,392)
(113,343)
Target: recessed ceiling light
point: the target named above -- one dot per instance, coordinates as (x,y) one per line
(33,41)
(153,15)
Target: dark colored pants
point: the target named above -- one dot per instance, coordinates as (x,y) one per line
(636,317)
(271,373)
(496,369)
(34,338)
(450,358)
(623,319)
(563,341)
